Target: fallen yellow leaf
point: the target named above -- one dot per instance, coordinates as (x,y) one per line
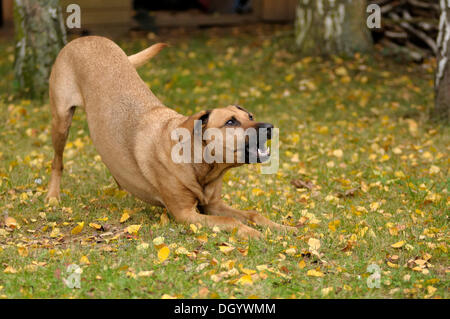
(22,251)
(261,267)
(434,170)
(202,238)
(163,253)
(257,192)
(158,242)
(341,71)
(412,126)
(245,280)
(226,249)
(182,251)
(77,229)
(124,218)
(132,229)
(315,273)
(9,270)
(142,246)
(326,291)
(95,226)
(193,228)
(398,244)
(338,153)
(392,265)
(291,251)
(146,273)
(248,271)
(55,232)
(314,244)
(431,290)
(84,260)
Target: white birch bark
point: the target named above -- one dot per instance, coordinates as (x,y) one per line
(332,27)
(442,79)
(40,35)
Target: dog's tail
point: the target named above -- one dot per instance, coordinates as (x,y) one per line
(142,57)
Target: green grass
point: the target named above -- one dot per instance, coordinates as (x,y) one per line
(370,108)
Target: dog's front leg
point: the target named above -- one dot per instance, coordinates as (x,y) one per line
(219,208)
(189,215)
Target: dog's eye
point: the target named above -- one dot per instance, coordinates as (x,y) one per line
(250,117)
(230,122)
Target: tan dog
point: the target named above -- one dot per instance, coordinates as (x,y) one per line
(131,130)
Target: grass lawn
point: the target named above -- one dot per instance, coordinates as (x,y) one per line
(355,129)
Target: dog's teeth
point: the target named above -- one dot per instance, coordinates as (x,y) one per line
(263,153)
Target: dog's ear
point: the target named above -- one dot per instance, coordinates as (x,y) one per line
(202,116)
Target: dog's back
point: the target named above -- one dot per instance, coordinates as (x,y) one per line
(101,64)
(94,73)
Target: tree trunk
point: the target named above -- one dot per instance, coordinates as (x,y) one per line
(325,27)
(441,109)
(40,35)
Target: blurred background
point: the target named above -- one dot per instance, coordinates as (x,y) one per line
(404,30)
(411,23)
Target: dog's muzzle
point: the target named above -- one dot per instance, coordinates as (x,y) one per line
(259,153)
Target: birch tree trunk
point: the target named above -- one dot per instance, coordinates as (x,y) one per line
(324,27)
(442,81)
(39,36)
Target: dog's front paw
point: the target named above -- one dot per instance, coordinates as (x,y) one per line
(248,232)
(52,199)
(285,229)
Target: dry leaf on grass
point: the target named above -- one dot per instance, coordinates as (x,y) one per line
(298,183)
(348,193)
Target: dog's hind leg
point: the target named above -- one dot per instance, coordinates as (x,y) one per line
(62,113)
(118,185)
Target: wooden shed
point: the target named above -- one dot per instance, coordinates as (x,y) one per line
(104,16)
(115,17)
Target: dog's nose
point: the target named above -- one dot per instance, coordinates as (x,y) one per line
(269,128)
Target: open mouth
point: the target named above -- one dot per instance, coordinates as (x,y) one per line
(258,154)
(256,150)
(263,153)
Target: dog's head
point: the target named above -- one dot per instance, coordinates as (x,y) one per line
(231,134)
